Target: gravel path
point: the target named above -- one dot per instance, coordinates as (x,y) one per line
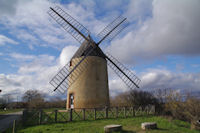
(6,120)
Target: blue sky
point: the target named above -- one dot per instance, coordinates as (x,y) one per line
(161,44)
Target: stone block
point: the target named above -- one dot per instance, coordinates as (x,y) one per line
(195,125)
(148,125)
(112,128)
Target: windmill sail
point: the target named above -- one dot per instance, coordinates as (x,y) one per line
(125,74)
(113,29)
(63,79)
(68,23)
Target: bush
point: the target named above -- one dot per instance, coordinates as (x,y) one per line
(183,108)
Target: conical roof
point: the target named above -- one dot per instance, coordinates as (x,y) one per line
(85,47)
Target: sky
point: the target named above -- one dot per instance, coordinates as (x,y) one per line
(161,45)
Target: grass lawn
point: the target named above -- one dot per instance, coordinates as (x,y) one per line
(9,111)
(130,125)
(53,109)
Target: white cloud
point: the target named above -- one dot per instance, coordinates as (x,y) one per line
(26,36)
(39,64)
(67,54)
(22,57)
(139,10)
(162,79)
(159,78)
(5,40)
(85,16)
(8,7)
(117,86)
(34,72)
(31,23)
(172,30)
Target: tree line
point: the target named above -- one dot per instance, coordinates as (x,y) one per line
(32,99)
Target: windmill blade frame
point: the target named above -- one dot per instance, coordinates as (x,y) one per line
(112,29)
(130,79)
(68,23)
(61,82)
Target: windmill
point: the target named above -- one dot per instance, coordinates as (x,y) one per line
(85,77)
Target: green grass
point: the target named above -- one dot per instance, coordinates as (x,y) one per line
(9,111)
(130,125)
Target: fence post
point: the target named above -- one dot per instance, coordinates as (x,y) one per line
(147,111)
(40,117)
(56,112)
(125,112)
(95,113)
(116,112)
(24,116)
(83,114)
(106,112)
(70,114)
(14,122)
(133,111)
(154,109)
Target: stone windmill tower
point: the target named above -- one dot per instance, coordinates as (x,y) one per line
(85,77)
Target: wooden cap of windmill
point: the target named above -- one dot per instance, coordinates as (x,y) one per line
(85,47)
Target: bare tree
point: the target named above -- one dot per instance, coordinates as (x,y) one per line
(57,102)
(134,98)
(121,99)
(3,103)
(34,99)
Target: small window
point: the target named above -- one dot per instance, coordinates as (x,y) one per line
(70,64)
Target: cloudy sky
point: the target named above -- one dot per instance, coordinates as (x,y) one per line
(161,44)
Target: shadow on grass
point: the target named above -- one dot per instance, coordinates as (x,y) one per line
(126,131)
(157,129)
(161,129)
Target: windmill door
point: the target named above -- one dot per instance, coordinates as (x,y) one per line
(71,101)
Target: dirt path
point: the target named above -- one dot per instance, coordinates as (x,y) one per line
(6,120)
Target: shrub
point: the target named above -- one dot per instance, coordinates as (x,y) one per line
(183,108)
